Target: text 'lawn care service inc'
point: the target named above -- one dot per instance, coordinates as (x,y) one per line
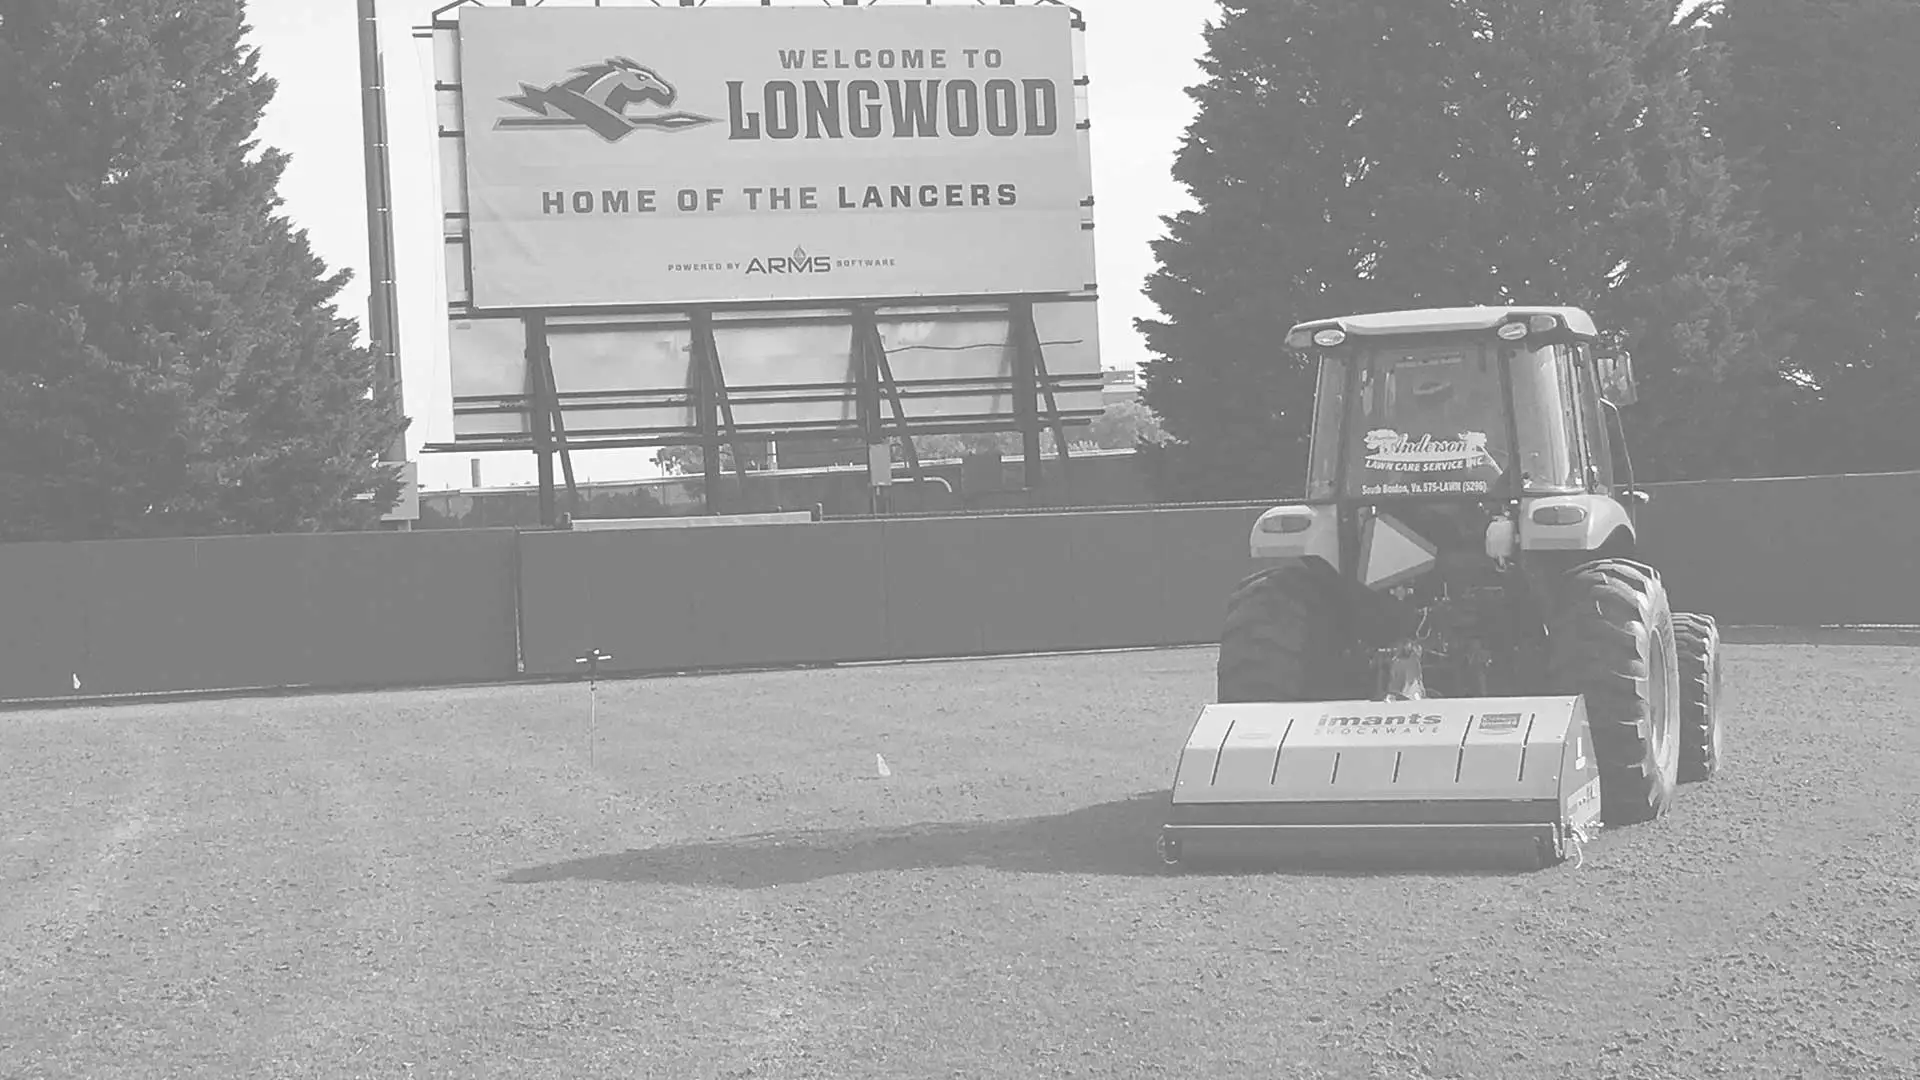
(621,156)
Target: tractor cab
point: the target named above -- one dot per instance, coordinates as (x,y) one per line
(1463,403)
(1461,460)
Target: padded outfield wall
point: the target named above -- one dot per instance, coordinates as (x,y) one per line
(330,610)
(880,589)
(373,609)
(1794,551)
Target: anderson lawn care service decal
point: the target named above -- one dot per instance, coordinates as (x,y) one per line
(1394,451)
(649,155)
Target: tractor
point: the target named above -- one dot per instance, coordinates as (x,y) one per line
(1470,530)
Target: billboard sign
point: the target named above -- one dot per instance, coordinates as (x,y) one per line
(678,155)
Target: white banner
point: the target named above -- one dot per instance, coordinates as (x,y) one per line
(649,155)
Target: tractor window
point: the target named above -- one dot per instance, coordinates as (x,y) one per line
(1430,421)
(1543,409)
(1570,420)
(1599,447)
(1329,401)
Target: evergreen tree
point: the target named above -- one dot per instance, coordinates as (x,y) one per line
(1380,154)
(171,362)
(1822,114)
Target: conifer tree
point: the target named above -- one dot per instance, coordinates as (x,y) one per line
(1822,115)
(1380,154)
(171,361)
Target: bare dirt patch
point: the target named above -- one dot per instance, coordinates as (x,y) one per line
(436,884)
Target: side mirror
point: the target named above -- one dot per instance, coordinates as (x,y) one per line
(1616,378)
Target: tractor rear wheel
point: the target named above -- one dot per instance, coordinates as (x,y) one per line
(1287,637)
(1611,638)
(1698,638)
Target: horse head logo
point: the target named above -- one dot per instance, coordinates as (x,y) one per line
(618,81)
(596,97)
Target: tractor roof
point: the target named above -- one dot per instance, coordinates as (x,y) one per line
(1425,320)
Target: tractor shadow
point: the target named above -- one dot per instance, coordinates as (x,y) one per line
(1113,839)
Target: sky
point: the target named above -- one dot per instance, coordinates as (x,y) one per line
(1140,58)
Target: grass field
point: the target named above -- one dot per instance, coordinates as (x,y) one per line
(436,884)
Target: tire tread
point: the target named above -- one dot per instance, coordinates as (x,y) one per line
(1603,624)
(1697,638)
(1285,636)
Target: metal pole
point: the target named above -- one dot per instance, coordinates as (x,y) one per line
(592,659)
(867,410)
(1026,390)
(382,303)
(542,413)
(540,405)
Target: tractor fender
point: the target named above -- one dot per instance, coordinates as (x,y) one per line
(1298,530)
(1581,522)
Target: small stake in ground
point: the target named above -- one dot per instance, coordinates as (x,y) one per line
(593,660)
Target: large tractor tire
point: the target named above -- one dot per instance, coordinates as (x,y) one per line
(1698,639)
(1610,636)
(1287,637)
